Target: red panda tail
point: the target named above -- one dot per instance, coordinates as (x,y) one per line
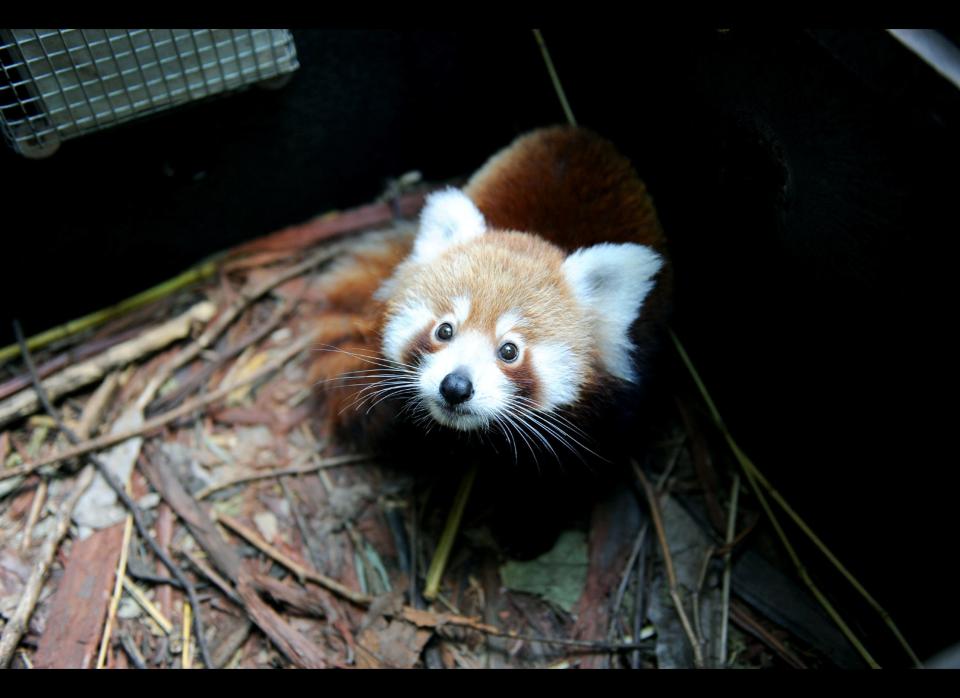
(569,186)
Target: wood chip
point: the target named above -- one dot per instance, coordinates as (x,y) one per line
(79,606)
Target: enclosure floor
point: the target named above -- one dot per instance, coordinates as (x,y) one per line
(307,553)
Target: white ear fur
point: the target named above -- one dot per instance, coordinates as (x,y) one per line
(448,218)
(612,281)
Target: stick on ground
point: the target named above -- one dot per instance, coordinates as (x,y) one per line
(668,564)
(150,425)
(28,401)
(121,493)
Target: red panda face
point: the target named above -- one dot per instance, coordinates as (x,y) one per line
(500,328)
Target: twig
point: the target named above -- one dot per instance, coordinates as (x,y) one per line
(742,618)
(428,619)
(640,601)
(39,499)
(117,591)
(584,644)
(207,572)
(17,625)
(554,78)
(291,643)
(802,525)
(163,419)
(186,653)
(245,298)
(96,406)
(305,600)
(625,577)
(417,617)
(131,649)
(451,528)
(144,603)
(121,493)
(668,564)
(728,568)
(695,601)
(300,571)
(703,465)
(85,351)
(805,576)
(305,538)
(674,459)
(756,479)
(135,572)
(331,462)
(175,396)
(91,371)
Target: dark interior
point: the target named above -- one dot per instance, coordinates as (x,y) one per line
(806,181)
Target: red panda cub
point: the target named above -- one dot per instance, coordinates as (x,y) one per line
(520,303)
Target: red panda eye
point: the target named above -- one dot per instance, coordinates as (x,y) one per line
(509,352)
(445,332)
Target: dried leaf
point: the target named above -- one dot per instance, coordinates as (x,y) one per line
(397,645)
(558,575)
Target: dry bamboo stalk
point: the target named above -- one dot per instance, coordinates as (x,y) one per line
(727,568)
(210,574)
(232,312)
(186,652)
(330,462)
(117,591)
(162,419)
(69,379)
(450,530)
(137,594)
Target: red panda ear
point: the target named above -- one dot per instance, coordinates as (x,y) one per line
(611,281)
(448,218)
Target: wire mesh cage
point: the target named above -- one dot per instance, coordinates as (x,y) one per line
(57,84)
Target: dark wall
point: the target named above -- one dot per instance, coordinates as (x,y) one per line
(806,181)
(115,212)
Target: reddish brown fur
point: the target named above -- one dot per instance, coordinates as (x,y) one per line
(423,343)
(558,183)
(523,377)
(351,323)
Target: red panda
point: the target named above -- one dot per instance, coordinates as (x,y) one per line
(518,303)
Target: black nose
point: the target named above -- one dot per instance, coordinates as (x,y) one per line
(456,388)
